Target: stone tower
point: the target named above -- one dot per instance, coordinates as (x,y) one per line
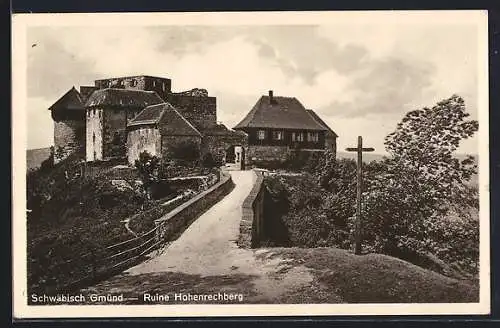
(68,113)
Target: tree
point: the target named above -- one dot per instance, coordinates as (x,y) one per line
(415,188)
(147,165)
(424,143)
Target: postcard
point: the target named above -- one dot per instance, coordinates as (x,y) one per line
(250,164)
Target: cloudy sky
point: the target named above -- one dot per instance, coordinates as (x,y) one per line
(361,78)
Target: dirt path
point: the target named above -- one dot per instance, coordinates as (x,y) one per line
(206,257)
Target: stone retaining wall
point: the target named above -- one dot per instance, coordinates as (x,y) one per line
(174,223)
(252,219)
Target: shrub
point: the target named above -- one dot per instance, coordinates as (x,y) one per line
(209,161)
(148,168)
(68,234)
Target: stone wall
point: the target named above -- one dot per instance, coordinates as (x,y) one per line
(174,223)
(94,123)
(143,139)
(252,221)
(218,144)
(114,137)
(199,111)
(86,91)
(170,142)
(255,153)
(69,135)
(162,86)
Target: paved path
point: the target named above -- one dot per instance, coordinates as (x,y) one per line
(208,251)
(207,247)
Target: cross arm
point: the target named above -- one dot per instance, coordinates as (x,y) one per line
(358,149)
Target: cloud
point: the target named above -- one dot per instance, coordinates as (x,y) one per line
(53,69)
(385,86)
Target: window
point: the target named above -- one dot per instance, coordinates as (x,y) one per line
(261,134)
(278,135)
(133,83)
(154,83)
(300,136)
(93,137)
(313,137)
(163,86)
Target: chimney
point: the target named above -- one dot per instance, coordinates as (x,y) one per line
(271,99)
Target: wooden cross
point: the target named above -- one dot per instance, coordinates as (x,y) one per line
(357,232)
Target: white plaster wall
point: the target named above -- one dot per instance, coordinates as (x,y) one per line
(94,119)
(143,139)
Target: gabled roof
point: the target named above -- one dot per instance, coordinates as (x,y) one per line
(71,100)
(320,121)
(123,98)
(167,117)
(282,113)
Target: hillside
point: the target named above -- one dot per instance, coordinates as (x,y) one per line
(343,277)
(35,157)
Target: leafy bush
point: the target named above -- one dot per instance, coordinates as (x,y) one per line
(300,204)
(208,161)
(148,168)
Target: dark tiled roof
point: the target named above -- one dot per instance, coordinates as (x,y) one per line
(71,100)
(283,113)
(123,98)
(166,116)
(320,121)
(150,115)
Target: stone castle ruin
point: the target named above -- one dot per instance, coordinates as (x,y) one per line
(118,118)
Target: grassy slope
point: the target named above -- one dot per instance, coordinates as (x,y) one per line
(376,278)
